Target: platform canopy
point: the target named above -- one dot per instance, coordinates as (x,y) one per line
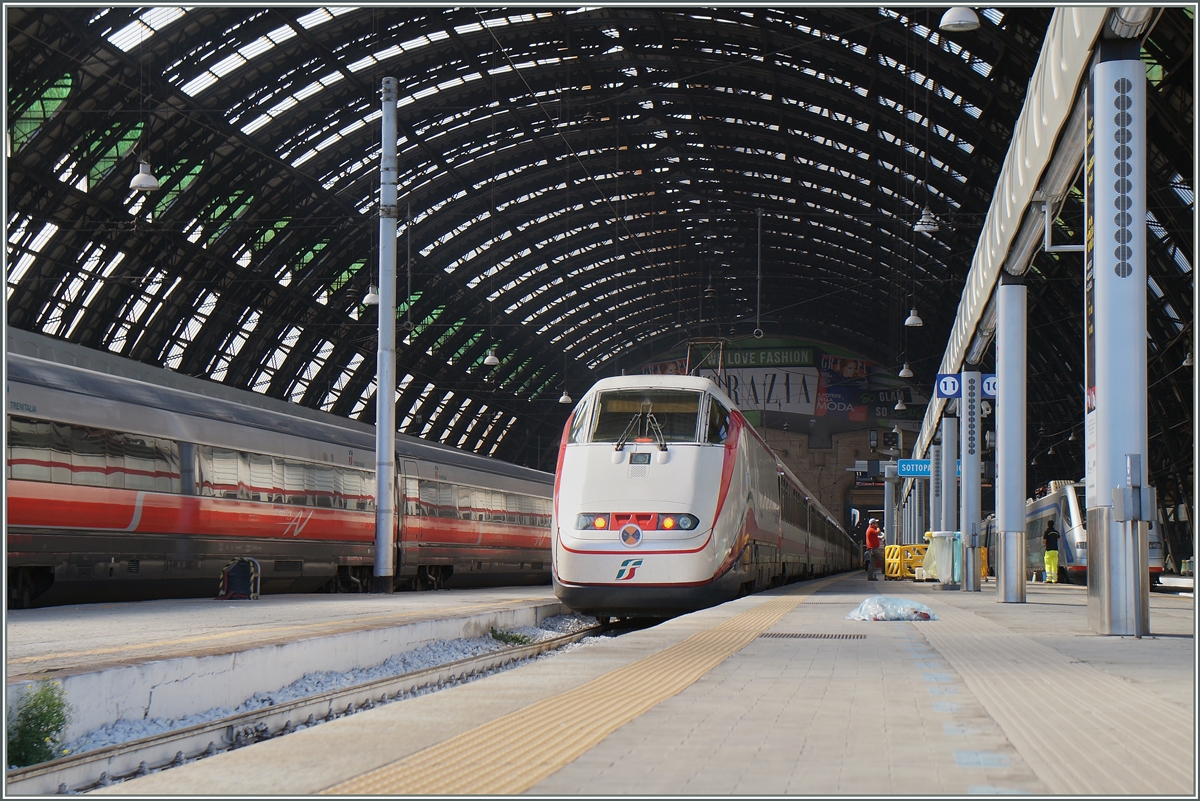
(580,188)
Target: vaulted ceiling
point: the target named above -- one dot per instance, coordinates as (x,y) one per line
(571,182)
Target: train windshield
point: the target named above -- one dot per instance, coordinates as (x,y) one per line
(640,415)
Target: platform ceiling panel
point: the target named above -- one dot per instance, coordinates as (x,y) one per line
(572,181)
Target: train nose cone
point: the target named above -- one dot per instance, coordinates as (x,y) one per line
(631,535)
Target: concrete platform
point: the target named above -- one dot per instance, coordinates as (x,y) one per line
(989,699)
(174,658)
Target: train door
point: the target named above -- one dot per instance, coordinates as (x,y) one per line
(408,518)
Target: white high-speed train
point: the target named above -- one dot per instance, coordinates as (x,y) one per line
(667,500)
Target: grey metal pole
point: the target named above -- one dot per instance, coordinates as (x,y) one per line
(889,502)
(1115,421)
(971,443)
(949,474)
(1011,371)
(385,389)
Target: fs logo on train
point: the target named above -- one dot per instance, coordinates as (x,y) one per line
(631,535)
(628,568)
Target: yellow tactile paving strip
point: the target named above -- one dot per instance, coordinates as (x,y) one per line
(516,751)
(337,626)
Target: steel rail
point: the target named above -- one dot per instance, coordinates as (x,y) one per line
(100,767)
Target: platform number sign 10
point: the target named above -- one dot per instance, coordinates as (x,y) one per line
(948,385)
(989,385)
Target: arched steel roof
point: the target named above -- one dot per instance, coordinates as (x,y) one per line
(576,179)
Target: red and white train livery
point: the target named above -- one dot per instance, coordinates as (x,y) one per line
(121,489)
(667,500)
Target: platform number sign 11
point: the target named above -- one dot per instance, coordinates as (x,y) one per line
(948,385)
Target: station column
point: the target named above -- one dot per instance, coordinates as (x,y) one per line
(385,376)
(1010,438)
(949,474)
(1115,405)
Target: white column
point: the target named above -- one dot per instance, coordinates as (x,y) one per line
(1010,439)
(949,520)
(385,389)
(1115,421)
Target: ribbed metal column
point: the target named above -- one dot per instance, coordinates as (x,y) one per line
(1115,421)
(970,446)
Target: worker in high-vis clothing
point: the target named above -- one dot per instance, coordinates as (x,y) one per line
(1050,541)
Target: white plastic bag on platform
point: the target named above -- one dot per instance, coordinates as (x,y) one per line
(884,607)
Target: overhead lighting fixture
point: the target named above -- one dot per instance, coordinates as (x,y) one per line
(914,320)
(491,360)
(372,298)
(710,293)
(1033,461)
(565,397)
(959,18)
(900,405)
(1051,451)
(928,224)
(905,372)
(1187,361)
(1072,438)
(144,181)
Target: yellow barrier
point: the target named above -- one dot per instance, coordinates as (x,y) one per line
(901,561)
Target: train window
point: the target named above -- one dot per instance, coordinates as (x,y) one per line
(446,505)
(718,422)
(430,497)
(464,503)
(640,414)
(579,422)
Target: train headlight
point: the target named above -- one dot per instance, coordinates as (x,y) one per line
(687,522)
(668,522)
(591,521)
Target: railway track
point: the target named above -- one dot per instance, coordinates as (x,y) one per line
(103,766)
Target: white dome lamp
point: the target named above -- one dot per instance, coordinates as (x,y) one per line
(565,399)
(491,360)
(144,181)
(900,404)
(959,19)
(906,371)
(372,298)
(928,224)
(914,320)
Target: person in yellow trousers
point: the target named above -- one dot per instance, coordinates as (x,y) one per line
(1050,540)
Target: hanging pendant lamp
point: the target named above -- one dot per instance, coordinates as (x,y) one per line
(905,371)
(144,181)
(928,224)
(914,320)
(565,397)
(959,18)
(491,360)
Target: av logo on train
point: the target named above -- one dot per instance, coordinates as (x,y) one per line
(630,565)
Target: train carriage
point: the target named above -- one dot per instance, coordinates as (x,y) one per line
(1063,505)
(120,488)
(667,500)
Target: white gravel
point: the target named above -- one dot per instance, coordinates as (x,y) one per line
(437,653)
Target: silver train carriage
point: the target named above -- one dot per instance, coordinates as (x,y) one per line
(667,500)
(126,489)
(1064,506)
